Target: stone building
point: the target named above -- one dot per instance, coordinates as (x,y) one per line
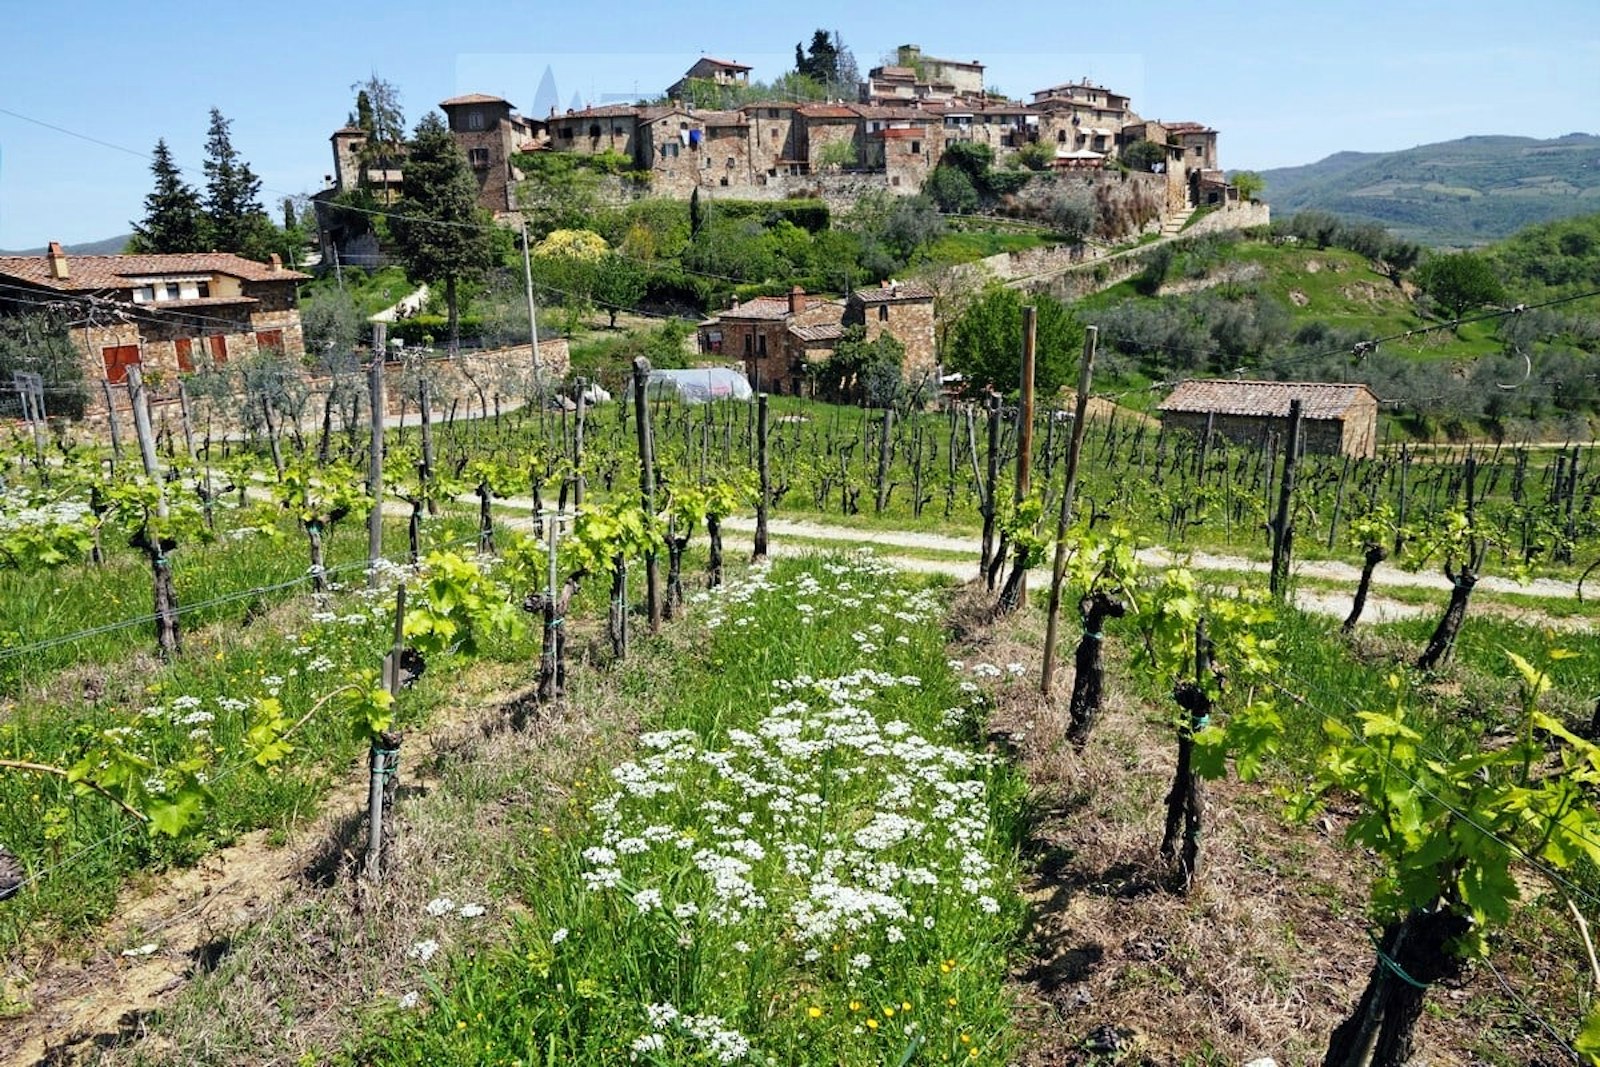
(595,130)
(724,73)
(489,133)
(1336,418)
(906,312)
(168,314)
(775,138)
(945,76)
(778,339)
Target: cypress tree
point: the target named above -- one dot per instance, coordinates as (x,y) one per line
(173,220)
(238,222)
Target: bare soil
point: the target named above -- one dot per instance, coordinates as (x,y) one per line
(1264,957)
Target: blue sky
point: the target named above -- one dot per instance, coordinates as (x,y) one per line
(1286,81)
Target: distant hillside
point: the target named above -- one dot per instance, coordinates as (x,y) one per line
(108,247)
(1466,192)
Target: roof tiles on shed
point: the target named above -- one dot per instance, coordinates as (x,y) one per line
(1319,400)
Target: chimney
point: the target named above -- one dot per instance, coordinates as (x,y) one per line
(58,262)
(276,262)
(797,300)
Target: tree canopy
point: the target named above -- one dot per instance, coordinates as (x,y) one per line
(236,221)
(1460,281)
(986,342)
(173,219)
(438,228)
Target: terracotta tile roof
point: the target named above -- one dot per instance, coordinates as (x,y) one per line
(607,111)
(829,111)
(90,273)
(1187,127)
(894,72)
(727,63)
(722,118)
(781,105)
(911,114)
(1319,400)
(769,308)
(824,331)
(887,294)
(473,98)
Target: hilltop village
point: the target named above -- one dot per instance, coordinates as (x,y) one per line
(892,136)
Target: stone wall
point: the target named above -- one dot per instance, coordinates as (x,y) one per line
(1235,215)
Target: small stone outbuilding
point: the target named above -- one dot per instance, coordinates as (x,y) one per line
(1337,418)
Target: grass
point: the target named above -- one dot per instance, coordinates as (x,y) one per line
(198,706)
(753,873)
(966,246)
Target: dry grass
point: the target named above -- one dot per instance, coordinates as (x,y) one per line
(1264,957)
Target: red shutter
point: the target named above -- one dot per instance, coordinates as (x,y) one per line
(219,349)
(185,348)
(266,339)
(118,359)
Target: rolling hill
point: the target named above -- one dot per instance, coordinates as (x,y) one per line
(1455,193)
(109,246)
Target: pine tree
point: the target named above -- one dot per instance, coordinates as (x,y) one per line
(238,223)
(173,220)
(438,228)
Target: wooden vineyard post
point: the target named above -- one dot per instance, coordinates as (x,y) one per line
(1015,592)
(552,649)
(765,471)
(384,757)
(113,422)
(425,410)
(647,483)
(168,638)
(992,474)
(1058,569)
(577,444)
(1283,523)
(885,437)
(1186,802)
(375,455)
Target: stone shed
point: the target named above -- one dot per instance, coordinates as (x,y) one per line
(1337,418)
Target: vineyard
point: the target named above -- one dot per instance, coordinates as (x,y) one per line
(622,788)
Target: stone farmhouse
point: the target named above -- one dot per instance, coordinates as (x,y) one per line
(165,313)
(1336,419)
(719,72)
(779,341)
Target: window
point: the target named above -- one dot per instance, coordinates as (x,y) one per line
(478,157)
(774,136)
(916,148)
(219,349)
(118,359)
(566,133)
(883,312)
(594,129)
(761,345)
(730,161)
(1197,151)
(1061,137)
(669,150)
(749,344)
(474,119)
(617,129)
(772,112)
(185,351)
(266,339)
(202,289)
